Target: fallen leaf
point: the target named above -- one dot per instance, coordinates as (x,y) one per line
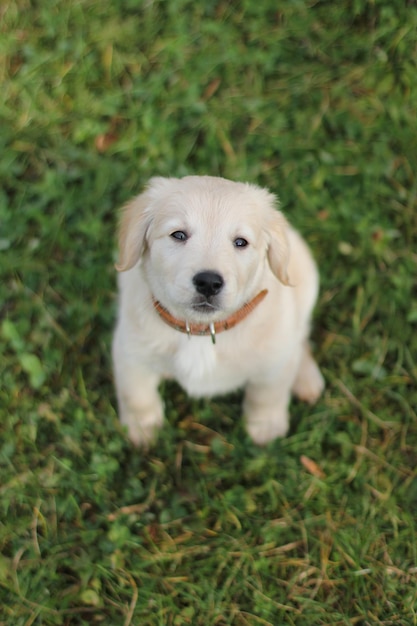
(312,467)
(104,141)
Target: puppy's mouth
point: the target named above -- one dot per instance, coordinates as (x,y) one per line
(206,305)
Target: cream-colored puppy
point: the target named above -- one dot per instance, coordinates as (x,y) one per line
(216,291)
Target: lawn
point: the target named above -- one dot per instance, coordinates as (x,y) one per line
(315,100)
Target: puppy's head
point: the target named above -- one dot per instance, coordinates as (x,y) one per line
(204,244)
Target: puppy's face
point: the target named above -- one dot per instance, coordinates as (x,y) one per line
(204,243)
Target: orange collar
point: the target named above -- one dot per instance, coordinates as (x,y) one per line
(214,327)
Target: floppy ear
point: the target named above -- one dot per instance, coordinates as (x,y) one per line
(279,248)
(133,226)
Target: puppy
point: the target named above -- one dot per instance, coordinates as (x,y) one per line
(216,291)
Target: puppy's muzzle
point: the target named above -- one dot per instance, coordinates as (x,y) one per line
(208,283)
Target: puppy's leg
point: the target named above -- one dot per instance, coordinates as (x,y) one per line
(266,403)
(309,382)
(266,411)
(140,406)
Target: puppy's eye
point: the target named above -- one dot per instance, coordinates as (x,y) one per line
(179,235)
(239,242)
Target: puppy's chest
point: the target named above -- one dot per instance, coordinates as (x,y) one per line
(204,369)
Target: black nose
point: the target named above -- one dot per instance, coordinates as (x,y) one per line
(208,283)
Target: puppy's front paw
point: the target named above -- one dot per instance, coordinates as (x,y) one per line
(264,426)
(309,384)
(142,426)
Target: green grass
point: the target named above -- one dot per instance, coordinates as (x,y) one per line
(318,102)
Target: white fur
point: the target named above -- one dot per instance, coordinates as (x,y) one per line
(267,352)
